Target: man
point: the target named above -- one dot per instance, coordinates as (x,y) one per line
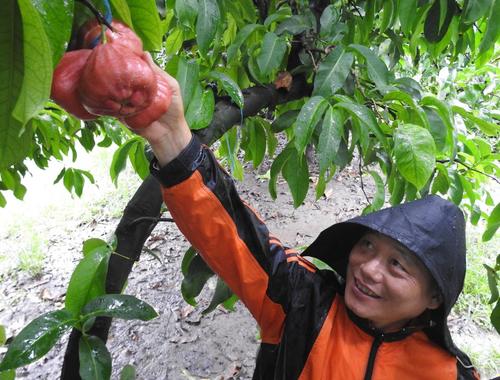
(382,315)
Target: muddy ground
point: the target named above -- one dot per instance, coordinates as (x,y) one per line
(180,343)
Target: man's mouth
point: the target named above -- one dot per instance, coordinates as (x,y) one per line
(363,289)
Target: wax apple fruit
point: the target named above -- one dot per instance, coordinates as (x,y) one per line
(116,81)
(65,83)
(158,107)
(90,33)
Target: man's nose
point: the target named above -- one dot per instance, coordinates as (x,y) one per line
(372,270)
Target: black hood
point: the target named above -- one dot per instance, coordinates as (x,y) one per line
(432,228)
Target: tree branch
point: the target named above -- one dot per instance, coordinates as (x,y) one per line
(470,168)
(227,114)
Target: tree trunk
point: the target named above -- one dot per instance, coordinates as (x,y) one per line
(147,201)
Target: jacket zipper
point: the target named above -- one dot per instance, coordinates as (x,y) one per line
(373,352)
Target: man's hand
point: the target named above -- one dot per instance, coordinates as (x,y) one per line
(170,134)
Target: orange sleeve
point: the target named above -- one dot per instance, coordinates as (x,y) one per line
(231,238)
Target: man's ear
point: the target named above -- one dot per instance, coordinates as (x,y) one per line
(435,301)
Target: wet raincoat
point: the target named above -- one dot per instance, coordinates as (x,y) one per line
(306,330)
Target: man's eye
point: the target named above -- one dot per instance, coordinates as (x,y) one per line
(367,243)
(397,264)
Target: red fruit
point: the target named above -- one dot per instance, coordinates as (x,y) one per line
(116,81)
(65,82)
(122,34)
(158,107)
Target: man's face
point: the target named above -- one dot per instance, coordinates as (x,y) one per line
(386,283)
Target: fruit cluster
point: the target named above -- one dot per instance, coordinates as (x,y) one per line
(113,78)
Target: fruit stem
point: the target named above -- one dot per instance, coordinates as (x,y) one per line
(103,34)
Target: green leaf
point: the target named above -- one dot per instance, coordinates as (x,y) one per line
(257,144)
(407,14)
(128,373)
(187,76)
(56,17)
(95,359)
(121,11)
(379,198)
(441,182)
(8,375)
(120,158)
(186,12)
(277,167)
(84,280)
(456,189)
(137,157)
(240,39)
(36,339)
(442,108)
(146,22)
(332,72)
(122,306)
(495,317)
(272,52)
(222,294)
(332,131)
(475,9)
(68,179)
(201,109)
(388,15)
(284,121)
(492,283)
(296,174)
(174,41)
(415,153)
(377,70)
(206,26)
(492,30)
(295,24)
(437,128)
(493,223)
(488,128)
(230,86)
(186,260)
(328,20)
(193,282)
(310,114)
(3,336)
(37,64)
(366,117)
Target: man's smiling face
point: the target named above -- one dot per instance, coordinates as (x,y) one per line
(386,283)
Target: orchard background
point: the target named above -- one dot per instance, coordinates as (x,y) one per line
(407,90)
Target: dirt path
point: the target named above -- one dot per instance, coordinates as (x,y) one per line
(180,343)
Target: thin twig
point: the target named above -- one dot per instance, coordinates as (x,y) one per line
(313,60)
(361,176)
(355,8)
(149,219)
(470,168)
(99,16)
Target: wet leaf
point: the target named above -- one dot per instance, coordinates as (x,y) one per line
(222,294)
(197,276)
(310,114)
(332,72)
(296,174)
(493,223)
(122,306)
(206,25)
(272,53)
(86,280)
(415,153)
(37,338)
(95,359)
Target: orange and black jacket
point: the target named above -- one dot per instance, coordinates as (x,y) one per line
(306,331)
